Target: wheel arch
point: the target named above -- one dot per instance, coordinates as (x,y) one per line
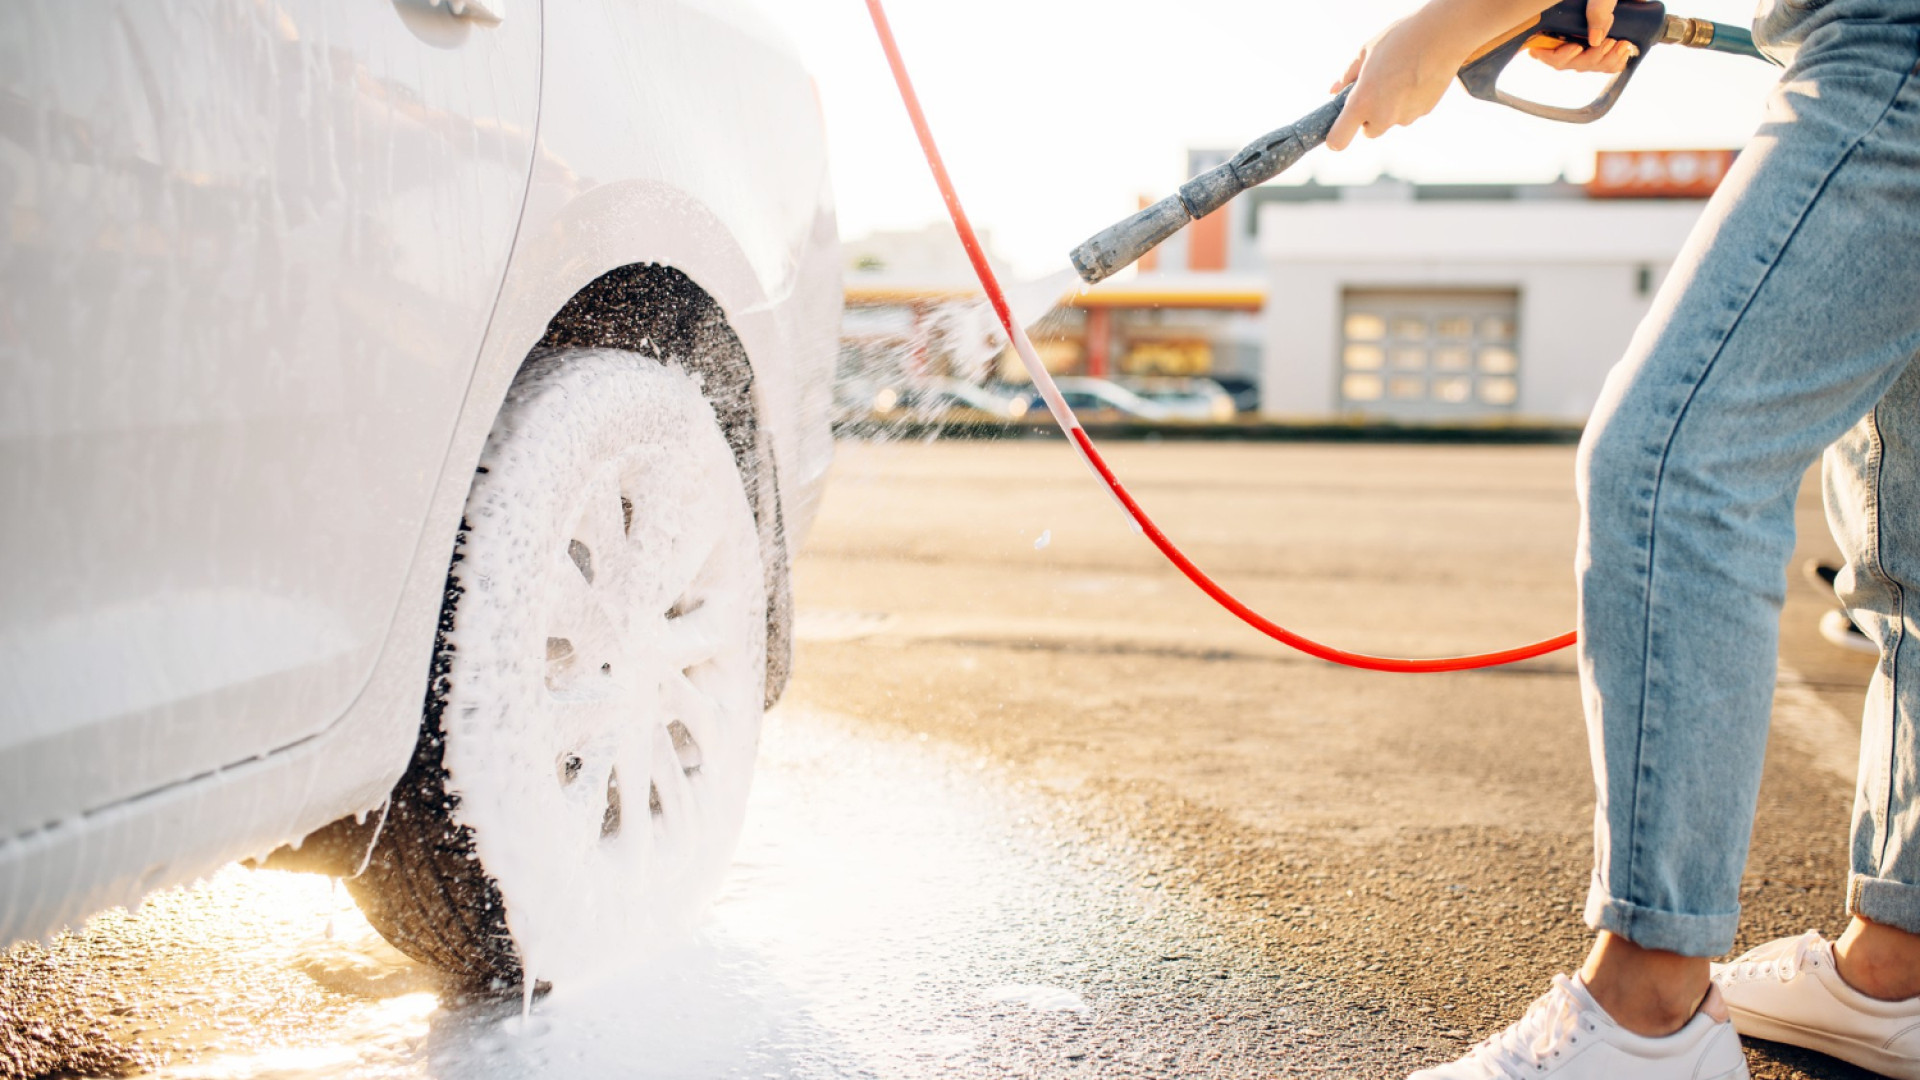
(632,265)
(657,310)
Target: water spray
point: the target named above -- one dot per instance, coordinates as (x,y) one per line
(1645,24)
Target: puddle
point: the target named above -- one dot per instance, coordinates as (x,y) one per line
(895,910)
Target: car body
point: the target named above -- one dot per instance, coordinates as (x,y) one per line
(1186,398)
(1244,391)
(271,270)
(946,400)
(1103,401)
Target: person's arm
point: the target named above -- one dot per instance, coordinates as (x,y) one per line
(1400,76)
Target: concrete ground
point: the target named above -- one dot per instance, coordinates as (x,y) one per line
(1413,847)
(1034,807)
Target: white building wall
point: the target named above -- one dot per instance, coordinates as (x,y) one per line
(1576,265)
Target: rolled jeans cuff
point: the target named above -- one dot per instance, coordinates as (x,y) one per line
(1889,903)
(1668,931)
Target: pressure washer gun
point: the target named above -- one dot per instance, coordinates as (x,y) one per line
(1644,24)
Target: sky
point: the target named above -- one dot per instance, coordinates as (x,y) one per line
(1055,116)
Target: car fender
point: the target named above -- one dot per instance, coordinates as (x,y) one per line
(775,275)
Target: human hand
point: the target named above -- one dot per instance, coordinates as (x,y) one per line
(1397,78)
(1609,57)
(1401,75)
(1601,54)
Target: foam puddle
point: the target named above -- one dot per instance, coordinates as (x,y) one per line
(871,918)
(874,924)
(896,909)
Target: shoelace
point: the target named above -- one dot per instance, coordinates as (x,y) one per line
(1804,953)
(1552,1025)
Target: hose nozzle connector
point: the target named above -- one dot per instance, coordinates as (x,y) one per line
(1693,33)
(1717,37)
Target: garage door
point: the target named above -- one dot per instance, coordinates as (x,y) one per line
(1429,356)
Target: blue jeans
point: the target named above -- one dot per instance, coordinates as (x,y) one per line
(1789,324)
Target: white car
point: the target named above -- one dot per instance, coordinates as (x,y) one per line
(1186,398)
(948,400)
(1104,401)
(473,353)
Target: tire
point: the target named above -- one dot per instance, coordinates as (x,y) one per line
(597,688)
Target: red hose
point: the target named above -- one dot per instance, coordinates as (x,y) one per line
(991,283)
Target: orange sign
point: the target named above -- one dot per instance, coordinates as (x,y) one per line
(1658,174)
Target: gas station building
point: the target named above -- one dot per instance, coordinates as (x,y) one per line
(1391,301)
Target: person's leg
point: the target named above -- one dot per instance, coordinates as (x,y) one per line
(1646,991)
(1872,480)
(1794,308)
(1859,998)
(1882,962)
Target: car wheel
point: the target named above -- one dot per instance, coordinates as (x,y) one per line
(597,688)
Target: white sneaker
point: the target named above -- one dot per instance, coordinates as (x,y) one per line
(1566,1035)
(1841,630)
(1789,991)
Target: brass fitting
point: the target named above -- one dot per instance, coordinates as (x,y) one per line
(1693,33)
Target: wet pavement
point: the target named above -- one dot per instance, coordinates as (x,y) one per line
(1034,808)
(897,909)
(1414,847)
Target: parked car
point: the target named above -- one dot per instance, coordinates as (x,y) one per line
(947,400)
(365,355)
(1102,401)
(1245,391)
(1186,398)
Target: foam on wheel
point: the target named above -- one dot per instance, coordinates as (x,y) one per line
(597,687)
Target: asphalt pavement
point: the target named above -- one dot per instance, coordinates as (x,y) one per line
(1035,807)
(1413,849)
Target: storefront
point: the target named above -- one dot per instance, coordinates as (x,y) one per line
(1473,305)
(1395,302)
(1163,329)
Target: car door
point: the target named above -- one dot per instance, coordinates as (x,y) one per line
(250,252)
